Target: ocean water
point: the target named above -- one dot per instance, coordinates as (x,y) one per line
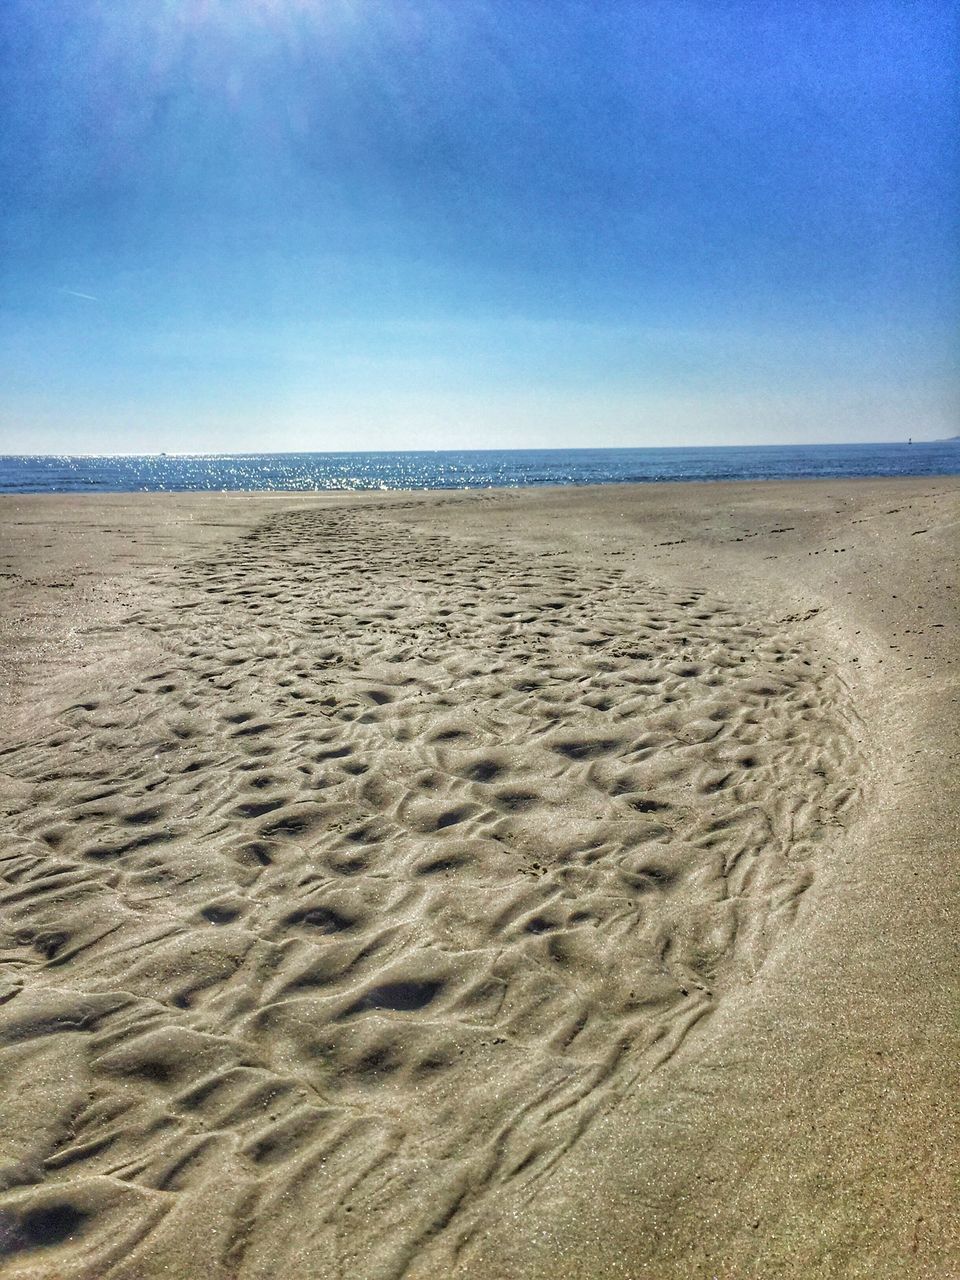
(474,469)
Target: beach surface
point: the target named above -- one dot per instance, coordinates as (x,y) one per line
(498,884)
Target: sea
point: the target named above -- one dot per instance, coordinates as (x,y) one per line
(468,469)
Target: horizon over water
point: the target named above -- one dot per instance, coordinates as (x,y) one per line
(466,469)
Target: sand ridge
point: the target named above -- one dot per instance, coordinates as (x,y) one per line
(413,856)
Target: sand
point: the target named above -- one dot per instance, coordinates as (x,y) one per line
(550,883)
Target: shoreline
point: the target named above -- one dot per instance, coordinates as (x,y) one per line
(803,1128)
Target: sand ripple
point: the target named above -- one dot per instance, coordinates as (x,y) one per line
(413,856)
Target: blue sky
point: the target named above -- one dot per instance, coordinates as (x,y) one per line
(337,224)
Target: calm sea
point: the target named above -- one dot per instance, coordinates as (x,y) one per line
(475,469)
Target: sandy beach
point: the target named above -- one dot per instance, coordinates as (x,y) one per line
(497,884)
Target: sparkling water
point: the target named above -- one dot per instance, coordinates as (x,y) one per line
(472,469)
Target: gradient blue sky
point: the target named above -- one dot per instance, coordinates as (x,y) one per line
(338,224)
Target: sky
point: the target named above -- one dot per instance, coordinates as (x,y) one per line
(251,225)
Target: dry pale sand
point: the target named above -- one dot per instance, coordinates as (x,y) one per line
(524,884)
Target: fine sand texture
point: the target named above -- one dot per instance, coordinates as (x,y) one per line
(549,884)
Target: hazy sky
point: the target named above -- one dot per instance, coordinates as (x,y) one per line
(336,224)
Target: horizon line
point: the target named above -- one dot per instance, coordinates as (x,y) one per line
(291,453)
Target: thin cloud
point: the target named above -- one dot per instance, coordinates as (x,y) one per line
(74,294)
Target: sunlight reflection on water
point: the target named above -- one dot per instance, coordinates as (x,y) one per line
(465,470)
